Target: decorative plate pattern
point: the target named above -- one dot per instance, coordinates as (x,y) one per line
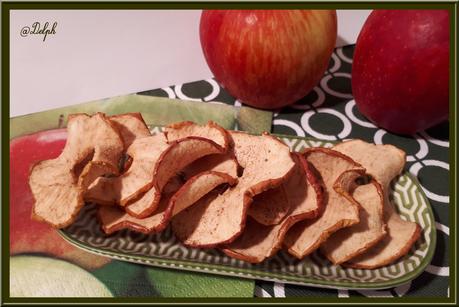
(163,249)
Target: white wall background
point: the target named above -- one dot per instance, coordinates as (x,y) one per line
(98,54)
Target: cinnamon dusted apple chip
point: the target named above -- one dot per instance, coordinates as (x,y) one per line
(136,188)
(270,207)
(93,149)
(210,131)
(148,202)
(219,219)
(258,241)
(383,163)
(206,176)
(198,186)
(338,173)
(179,154)
(175,199)
(356,239)
(131,126)
(225,163)
(113,218)
(145,154)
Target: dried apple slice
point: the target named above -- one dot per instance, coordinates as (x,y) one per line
(113,218)
(338,173)
(146,204)
(136,186)
(219,219)
(175,199)
(225,163)
(131,126)
(210,131)
(220,168)
(178,155)
(196,187)
(270,207)
(145,153)
(354,240)
(93,149)
(383,163)
(258,241)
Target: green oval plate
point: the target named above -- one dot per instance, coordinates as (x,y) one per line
(164,250)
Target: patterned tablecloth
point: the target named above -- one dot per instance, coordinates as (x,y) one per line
(329,112)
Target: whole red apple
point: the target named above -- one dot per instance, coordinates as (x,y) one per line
(400,72)
(268,58)
(27,235)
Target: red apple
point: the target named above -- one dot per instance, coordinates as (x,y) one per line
(27,235)
(268,58)
(400,72)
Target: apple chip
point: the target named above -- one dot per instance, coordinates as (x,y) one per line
(139,187)
(225,163)
(198,186)
(217,163)
(113,218)
(258,241)
(131,126)
(270,207)
(175,199)
(93,148)
(338,173)
(383,163)
(219,219)
(209,131)
(179,154)
(356,239)
(148,202)
(145,154)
